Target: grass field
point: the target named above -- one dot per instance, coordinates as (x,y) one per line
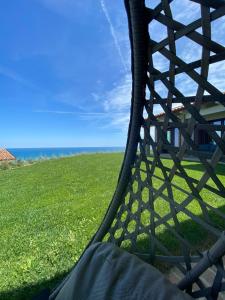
(49,212)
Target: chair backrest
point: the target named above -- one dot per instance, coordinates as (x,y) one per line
(169,205)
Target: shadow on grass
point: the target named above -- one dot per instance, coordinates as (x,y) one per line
(197,236)
(28,292)
(219,170)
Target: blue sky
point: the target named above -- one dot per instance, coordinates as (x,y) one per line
(65,70)
(62,63)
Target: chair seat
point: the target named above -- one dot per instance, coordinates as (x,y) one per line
(108,272)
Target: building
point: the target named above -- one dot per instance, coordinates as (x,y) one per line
(5,155)
(214,113)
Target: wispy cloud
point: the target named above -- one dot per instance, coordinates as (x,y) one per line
(121,121)
(118,98)
(185,11)
(57,112)
(116,104)
(113,33)
(217,78)
(113,111)
(111,108)
(87,114)
(6,72)
(64,112)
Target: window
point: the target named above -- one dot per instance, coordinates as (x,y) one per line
(169,136)
(176,137)
(219,132)
(205,141)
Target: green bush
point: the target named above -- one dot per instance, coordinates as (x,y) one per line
(5,165)
(19,163)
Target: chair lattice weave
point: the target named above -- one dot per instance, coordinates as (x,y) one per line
(158,199)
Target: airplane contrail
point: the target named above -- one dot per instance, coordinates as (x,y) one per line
(113,33)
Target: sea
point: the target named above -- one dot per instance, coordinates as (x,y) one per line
(38,153)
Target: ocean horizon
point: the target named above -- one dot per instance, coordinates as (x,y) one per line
(37,153)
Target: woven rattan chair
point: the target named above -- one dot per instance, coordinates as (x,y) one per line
(157,198)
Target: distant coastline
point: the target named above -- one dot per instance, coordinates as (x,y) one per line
(38,153)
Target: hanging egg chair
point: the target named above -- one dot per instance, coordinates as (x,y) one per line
(162,235)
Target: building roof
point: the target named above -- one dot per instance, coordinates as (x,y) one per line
(175,109)
(6,155)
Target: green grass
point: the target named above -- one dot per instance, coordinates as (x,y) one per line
(49,212)
(51,209)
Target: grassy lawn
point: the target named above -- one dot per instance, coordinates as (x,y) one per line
(51,209)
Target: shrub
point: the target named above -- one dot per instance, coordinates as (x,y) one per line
(5,165)
(19,163)
(12,163)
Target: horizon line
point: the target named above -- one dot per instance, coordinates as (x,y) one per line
(65,147)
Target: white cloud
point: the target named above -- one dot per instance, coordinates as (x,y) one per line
(58,112)
(114,105)
(118,101)
(86,115)
(104,120)
(185,11)
(6,72)
(118,98)
(65,112)
(216,75)
(110,108)
(68,97)
(121,121)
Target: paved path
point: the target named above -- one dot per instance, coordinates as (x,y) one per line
(207,278)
